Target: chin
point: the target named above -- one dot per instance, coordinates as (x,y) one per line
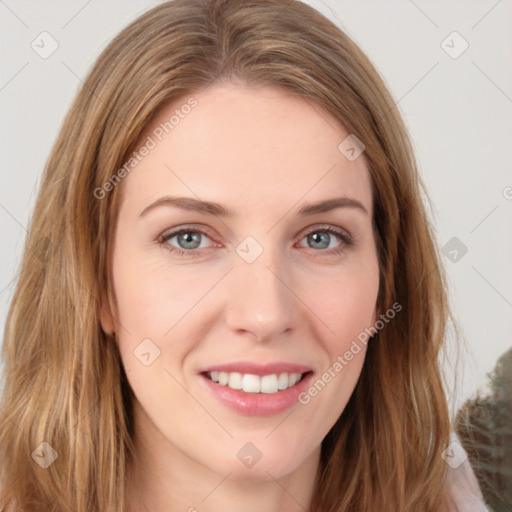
(257,458)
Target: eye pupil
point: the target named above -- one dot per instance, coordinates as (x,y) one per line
(321,238)
(189,238)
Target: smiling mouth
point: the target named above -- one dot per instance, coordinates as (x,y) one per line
(250,383)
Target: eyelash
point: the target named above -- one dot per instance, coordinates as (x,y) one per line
(346,240)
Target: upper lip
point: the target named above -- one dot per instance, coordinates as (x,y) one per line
(248,367)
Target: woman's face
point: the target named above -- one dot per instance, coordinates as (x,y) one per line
(274,288)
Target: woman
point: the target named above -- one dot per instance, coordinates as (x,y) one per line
(230,295)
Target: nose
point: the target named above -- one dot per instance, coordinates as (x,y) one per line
(261,300)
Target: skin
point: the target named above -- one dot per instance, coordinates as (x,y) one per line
(262,153)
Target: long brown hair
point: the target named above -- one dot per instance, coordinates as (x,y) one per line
(64,383)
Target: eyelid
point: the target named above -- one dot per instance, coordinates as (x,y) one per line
(320,227)
(172,232)
(346,239)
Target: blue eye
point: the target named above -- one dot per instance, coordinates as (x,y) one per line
(321,239)
(189,241)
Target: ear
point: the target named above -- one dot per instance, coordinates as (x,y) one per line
(106,317)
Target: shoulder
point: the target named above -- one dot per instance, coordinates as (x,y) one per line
(461,483)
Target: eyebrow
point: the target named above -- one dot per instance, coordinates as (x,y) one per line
(218,210)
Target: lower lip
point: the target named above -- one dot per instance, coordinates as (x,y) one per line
(258,404)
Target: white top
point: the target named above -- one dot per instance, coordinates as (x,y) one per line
(461,480)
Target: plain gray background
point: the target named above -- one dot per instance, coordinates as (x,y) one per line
(457,106)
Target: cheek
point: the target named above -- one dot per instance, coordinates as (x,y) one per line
(160,302)
(152,296)
(347,308)
(347,304)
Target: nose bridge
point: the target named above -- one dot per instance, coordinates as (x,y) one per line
(259,298)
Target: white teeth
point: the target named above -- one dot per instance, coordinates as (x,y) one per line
(250,383)
(282,382)
(235,380)
(269,384)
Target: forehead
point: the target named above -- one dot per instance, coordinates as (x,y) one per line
(246,147)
